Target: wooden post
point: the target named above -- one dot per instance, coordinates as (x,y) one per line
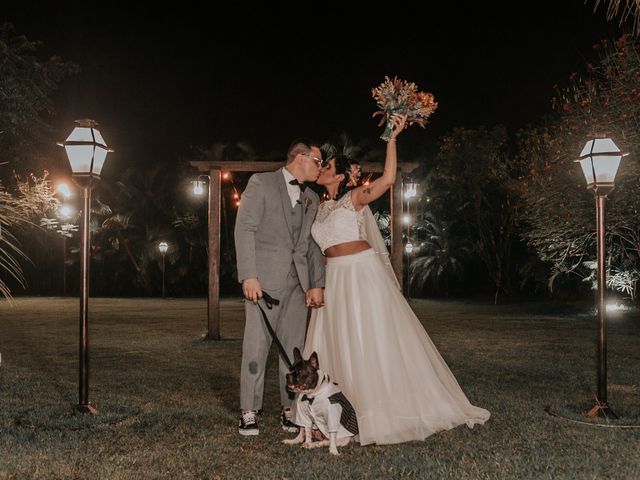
(396,227)
(213,244)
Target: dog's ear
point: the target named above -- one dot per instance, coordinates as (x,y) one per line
(297,357)
(313,359)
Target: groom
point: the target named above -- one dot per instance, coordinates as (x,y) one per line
(276,253)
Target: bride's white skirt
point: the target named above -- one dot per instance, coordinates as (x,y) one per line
(371,343)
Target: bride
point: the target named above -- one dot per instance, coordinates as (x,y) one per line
(366,335)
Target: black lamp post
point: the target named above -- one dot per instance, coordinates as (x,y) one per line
(600,159)
(163,247)
(87,152)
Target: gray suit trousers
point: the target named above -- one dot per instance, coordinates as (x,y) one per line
(289,320)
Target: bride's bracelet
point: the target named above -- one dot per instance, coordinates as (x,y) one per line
(392,140)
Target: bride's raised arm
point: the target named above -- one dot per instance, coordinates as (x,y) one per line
(365,194)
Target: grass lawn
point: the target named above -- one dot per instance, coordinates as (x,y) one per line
(167,401)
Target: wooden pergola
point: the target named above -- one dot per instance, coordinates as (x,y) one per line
(213,169)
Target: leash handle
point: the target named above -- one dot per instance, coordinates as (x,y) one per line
(269,300)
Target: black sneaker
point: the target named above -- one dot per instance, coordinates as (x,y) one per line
(286,420)
(247,424)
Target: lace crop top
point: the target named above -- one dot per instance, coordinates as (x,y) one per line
(338,222)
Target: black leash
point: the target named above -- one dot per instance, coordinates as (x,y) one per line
(269,301)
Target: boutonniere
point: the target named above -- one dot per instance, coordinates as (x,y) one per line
(307,202)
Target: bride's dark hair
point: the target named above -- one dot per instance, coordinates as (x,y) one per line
(344,167)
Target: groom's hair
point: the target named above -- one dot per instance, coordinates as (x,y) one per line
(298,146)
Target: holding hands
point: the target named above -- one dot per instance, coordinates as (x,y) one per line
(314,297)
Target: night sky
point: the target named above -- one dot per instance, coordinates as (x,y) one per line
(163,81)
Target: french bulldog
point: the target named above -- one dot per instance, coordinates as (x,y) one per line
(320,405)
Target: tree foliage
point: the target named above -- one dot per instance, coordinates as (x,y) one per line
(27,85)
(557,211)
(31,200)
(473,184)
(441,252)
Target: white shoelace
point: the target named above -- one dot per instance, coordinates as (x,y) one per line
(249,417)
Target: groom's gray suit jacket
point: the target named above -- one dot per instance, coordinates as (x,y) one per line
(265,243)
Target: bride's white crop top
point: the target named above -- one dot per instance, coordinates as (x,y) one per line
(338,222)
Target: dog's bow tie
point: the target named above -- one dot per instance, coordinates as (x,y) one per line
(296,182)
(307,399)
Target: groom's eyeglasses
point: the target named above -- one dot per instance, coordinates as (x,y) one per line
(319,161)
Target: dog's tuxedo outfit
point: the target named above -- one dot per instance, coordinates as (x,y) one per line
(328,409)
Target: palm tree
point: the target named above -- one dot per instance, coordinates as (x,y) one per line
(111,245)
(440,255)
(34,199)
(228,151)
(10,253)
(127,218)
(343,145)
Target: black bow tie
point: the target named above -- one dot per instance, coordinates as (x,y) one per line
(307,399)
(296,182)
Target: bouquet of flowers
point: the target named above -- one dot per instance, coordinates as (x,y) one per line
(402,97)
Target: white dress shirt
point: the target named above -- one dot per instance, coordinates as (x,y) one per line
(292,190)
